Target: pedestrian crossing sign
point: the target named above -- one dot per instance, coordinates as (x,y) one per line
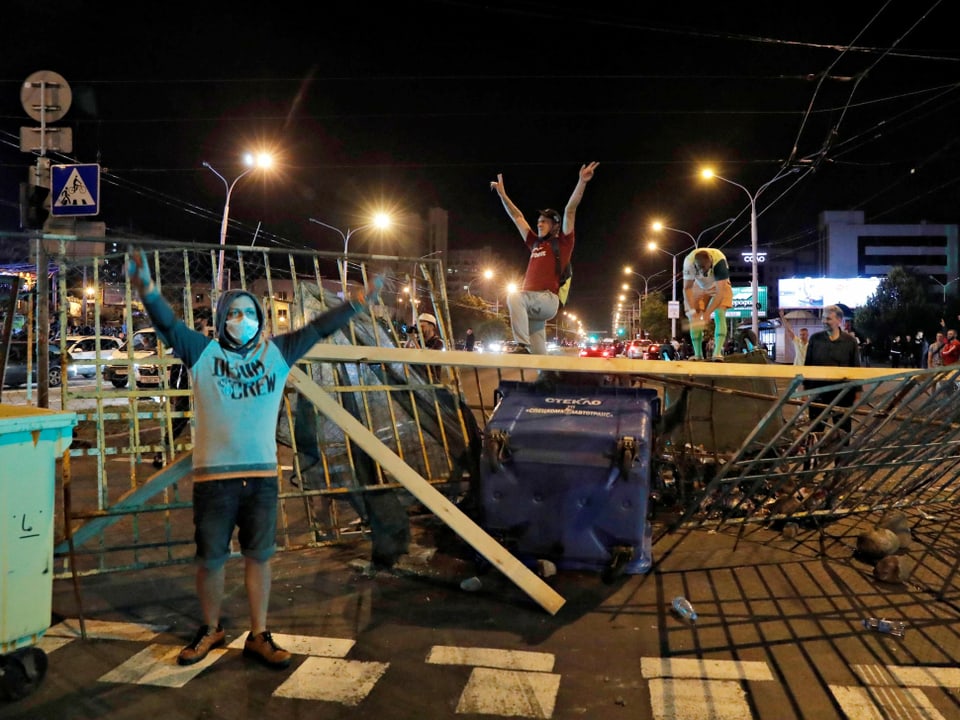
(74,190)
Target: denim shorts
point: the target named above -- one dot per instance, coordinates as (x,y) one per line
(220,505)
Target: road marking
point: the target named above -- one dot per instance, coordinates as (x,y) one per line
(50,644)
(491,658)
(509,693)
(346,682)
(860,703)
(693,699)
(157,665)
(107,630)
(651,667)
(908,676)
(305,645)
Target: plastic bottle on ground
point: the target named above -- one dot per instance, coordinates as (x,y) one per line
(683,608)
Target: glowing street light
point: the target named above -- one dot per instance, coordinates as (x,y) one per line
(380,220)
(627,270)
(253,162)
(487,275)
(652,245)
(708,173)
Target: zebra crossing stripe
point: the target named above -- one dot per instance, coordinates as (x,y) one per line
(898,703)
(157,665)
(908,676)
(107,630)
(346,682)
(509,693)
(652,667)
(49,644)
(697,699)
(491,658)
(305,645)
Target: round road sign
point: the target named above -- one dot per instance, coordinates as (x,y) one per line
(46,91)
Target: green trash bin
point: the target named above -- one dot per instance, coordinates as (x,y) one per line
(31,439)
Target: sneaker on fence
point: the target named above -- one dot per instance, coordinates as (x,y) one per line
(204,641)
(263,648)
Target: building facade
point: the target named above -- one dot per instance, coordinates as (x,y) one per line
(853,248)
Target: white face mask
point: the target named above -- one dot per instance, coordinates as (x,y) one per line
(242,330)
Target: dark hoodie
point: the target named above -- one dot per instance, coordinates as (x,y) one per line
(238,389)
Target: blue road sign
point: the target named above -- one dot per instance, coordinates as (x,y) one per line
(75,190)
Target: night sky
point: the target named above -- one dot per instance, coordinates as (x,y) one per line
(421,103)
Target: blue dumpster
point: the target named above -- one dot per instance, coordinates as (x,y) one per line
(566,475)
(31,439)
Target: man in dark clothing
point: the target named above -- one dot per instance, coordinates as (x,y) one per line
(832,347)
(469,340)
(431,341)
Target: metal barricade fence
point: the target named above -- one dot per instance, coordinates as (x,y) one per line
(128,495)
(851,448)
(810,456)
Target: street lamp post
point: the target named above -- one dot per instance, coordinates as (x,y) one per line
(380,220)
(263,160)
(657,226)
(646,287)
(707,173)
(88,293)
(639,322)
(944,286)
(487,275)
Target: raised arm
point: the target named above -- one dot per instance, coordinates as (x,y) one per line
(786,326)
(570,212)
(512,210)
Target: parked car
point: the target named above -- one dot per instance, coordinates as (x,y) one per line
(636,349)
(15,373)
(83,350)
(146,373)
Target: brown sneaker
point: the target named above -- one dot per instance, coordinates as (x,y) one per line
(203,642)
(263,648)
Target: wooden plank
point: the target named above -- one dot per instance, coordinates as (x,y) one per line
(329,352)
(479,540)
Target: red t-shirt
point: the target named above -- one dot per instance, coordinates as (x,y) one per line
(950,352)
(542,268)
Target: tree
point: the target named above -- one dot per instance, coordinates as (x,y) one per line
(472,311)
(654,317)
(900,306)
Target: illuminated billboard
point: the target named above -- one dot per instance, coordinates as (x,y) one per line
(818,292)
(743,301)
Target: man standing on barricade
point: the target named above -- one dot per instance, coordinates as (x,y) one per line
(707,292)
(537,301)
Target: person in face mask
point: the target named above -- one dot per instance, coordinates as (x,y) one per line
(238,382)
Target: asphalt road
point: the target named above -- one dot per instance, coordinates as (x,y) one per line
(779,635)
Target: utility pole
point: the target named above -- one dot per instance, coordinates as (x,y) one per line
(46,98)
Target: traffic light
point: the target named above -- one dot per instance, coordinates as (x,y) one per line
(33,206)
